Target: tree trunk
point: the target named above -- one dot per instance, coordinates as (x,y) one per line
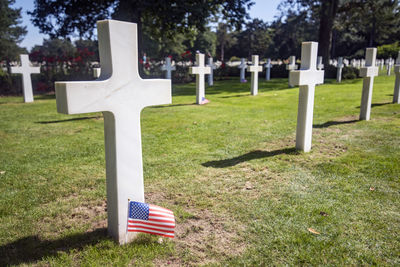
(222,51)
(327,17)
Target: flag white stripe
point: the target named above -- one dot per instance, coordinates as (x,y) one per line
(133,225)
(161,218)
(161,213)
(153,223)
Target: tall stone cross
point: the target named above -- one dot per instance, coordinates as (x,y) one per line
(268,67)
(254,69)
(291,66)
(307,77)
(242,67)
(320,66)
(168,68)
(200,70)
(26,70)
(368,72)
(396,93)
(120,93)
(339,69)
(212,68)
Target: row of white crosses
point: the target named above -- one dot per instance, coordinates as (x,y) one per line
(291,66)
(120,93)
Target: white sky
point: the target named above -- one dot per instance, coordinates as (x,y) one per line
(263,9)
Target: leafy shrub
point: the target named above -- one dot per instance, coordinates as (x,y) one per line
(389,50)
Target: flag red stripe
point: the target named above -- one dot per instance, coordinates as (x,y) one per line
(150,223)
(150,228)
(129,230)
(157,220)
(160,209)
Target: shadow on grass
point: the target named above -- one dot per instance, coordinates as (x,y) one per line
(174,105)
(331,123)
(45,96)
(257,154)
(230,96)
(67,120)
(32,248)
(378,104)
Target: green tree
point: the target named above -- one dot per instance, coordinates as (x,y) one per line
(163,18)
(11,33)
(225,39)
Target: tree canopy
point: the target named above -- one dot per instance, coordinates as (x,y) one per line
(11,33)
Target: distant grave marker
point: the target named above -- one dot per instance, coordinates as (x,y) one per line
(268,67)
(242,67)
(396,93)
(26,70)
(120,93)
(254,69)
(200,70)
(339,70)
(168,68)
(291,66)
(212,68)
(307,77)
(320,66)
(368,72)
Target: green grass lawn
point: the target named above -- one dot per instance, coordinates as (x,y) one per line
(241,193)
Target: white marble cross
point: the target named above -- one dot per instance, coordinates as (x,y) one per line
(268,67)
(254,69)
(346,62)
(168,68)
(291,66)
(381,63)
(320,66)
(120,93)
(368,72)
(242,67)
(26,70)
(396,93)
(307,77)
(339,69)
(96,72)
(212,68)
(200,70)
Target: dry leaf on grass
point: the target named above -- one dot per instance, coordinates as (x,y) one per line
(372,188)
(313,231)
(2,172)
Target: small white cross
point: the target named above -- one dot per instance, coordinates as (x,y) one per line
(242,67)
(26,71)
(320,66)
(307,77)
(268,67)
(368,72)
(254,69)
(291,66)
(120,93)
(339,69)
(168,68)
(396,93)
(200,70)
(212,68)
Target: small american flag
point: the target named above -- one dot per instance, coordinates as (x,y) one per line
(204,101)
(151,219)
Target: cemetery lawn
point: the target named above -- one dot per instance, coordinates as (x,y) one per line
(241,193)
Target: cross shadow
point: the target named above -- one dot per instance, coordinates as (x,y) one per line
(175,105)
(230,96)
(32,248)
(73,119)
(331,123)
(257,154)
(378,104)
